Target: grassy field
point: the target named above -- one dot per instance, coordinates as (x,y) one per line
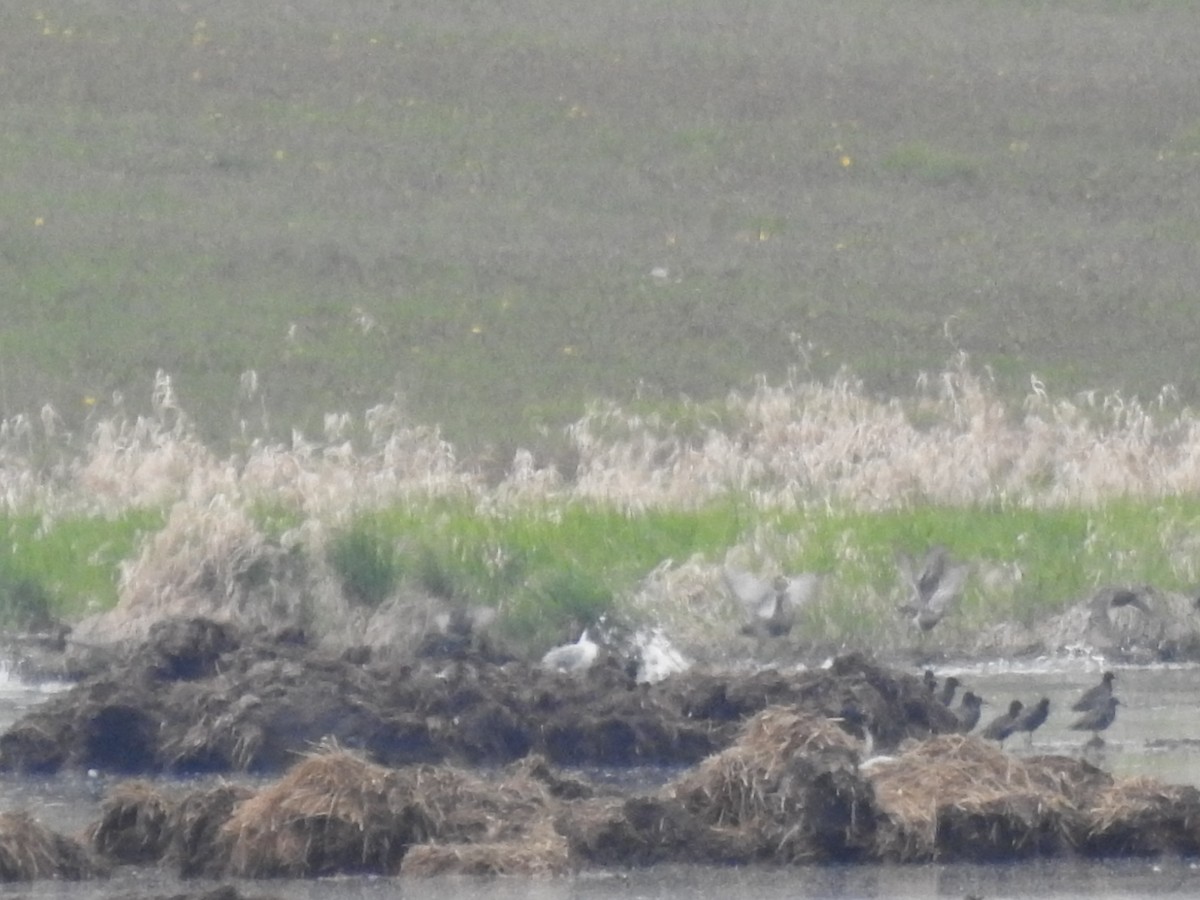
(494,213)
(578,230)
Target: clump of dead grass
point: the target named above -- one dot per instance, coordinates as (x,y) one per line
(134,824)
(541,853)
(791,782)
(30,851)
(1144,817)
(954,796)
(336,812)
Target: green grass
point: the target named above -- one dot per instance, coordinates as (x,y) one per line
(71,563)
(552,571)
(493,191)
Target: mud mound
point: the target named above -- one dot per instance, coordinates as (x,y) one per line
(891,706)
(334,812)
(195,828)
(540,854)
(791,783)
(955,797)
(1144,817)
(1132,624)
(29,851)
(647,831)
(134,824)
(200,697)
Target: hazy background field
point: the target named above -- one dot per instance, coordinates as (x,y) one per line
(498,211)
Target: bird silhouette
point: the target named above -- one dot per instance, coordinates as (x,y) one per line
(969,710)
(1001,727)
(576,657)
(949,686)
(771,605)
(1097,718)
(930,681)
(1031,719)
(934,587)
(1095,696)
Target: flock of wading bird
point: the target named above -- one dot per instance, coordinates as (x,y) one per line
(935,586)
(1098,708)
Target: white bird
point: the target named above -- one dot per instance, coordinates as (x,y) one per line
(576,657)
(771,605)
(936,587)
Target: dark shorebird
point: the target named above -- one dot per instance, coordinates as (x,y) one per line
(1001,727)
(949,686)
(1097,718)
(930,681)
(1095,696)
(1030,720)
(968,712)
(934,588)
(771,605)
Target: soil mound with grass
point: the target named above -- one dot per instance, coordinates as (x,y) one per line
(198,696)
(791,789)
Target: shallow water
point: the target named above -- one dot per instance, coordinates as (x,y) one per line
(1155,733)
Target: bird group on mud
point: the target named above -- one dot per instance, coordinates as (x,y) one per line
(1098,706)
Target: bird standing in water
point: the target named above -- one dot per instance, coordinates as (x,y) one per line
(1031,719)
(968,712)
(1097,718)
(1095,696)
(949,686)
(1001,727)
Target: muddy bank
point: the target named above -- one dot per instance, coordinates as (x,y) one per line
(1131,624)
(200,696)
(793,788)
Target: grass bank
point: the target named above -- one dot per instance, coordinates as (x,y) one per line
(1048,499)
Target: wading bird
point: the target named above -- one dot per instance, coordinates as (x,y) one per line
(1097,718)
(968,712)
(1001,727)
(934,587)
(576,657)
(949,686)
(1095,696)
(1030,720)
(771,605)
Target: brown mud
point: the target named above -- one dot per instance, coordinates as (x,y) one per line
(198,696)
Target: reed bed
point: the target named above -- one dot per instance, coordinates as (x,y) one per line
(1048,497)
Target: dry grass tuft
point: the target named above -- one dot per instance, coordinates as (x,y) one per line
(791,781)
(1143,817)
(134,824)
(541,853)
(335,812)
(956,796)
(29,851)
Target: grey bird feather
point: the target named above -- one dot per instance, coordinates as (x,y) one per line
(934,588)
(770,605)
